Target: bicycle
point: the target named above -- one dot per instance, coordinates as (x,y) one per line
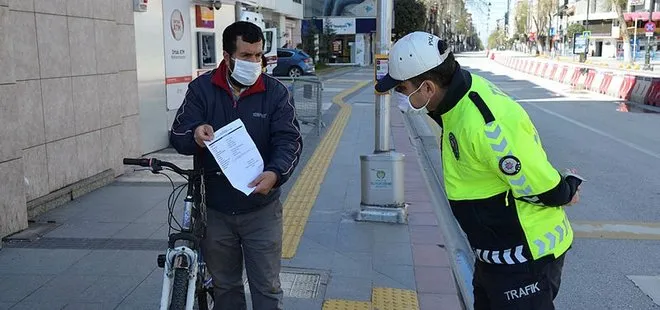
(184,277)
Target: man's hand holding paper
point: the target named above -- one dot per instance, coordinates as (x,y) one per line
(239,159)
(264,182)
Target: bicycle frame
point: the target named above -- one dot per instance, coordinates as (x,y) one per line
(187,257)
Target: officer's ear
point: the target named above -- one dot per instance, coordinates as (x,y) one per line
(429,88)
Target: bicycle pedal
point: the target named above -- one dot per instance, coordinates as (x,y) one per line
(161,260)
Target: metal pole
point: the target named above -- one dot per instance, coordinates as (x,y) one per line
(634,50)
(384,40)
(319,108)
(647,57)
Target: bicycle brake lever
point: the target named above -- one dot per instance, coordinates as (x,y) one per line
(155,167)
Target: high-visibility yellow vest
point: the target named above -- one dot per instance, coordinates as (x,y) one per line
(494,166)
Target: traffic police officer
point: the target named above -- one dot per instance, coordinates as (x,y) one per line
(502,189)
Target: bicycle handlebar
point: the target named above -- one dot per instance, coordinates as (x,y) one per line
(156,165)
(144,162)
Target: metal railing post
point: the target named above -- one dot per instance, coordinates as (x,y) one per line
(319,109)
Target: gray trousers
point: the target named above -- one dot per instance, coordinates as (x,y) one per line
(254,238)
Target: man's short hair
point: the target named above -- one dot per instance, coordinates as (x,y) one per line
(249,32)
(442,74)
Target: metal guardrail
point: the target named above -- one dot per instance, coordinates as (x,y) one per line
(460,252)
(307,93)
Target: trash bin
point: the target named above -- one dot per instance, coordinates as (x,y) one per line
(382,179)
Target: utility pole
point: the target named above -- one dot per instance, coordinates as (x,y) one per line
(647,56)
(382,173)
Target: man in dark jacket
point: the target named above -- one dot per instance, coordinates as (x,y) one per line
(242,228)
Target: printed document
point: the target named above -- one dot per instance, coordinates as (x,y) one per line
(237,155)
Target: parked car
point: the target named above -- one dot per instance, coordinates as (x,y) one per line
(293,62)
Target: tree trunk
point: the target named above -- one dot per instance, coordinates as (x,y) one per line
(623,29)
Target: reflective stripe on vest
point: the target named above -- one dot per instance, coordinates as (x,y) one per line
(506,257)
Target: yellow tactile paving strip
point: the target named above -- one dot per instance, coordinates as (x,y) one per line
(381,299)
(340,304)
(305,190)
(393,299)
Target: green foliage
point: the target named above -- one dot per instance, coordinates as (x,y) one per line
(497,39)
(409,16)
(573,29)
(522,14)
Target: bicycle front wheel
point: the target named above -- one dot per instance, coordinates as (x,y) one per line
(179,289)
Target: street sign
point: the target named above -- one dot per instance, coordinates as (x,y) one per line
(649,27)
(586,34)
(381,67)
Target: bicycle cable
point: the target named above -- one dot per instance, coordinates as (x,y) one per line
(174,197)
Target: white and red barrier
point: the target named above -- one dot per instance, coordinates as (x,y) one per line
(615,85)
(598,79)
(635,88)
(590,76)
(641,89)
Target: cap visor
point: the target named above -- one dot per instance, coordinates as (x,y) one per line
(386,83)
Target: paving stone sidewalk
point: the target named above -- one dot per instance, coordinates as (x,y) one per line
(99,251)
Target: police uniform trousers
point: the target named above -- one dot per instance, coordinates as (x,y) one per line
(528,286)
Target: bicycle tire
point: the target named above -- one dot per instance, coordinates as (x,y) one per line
(179,289)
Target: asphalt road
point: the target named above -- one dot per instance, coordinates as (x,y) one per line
(619,155)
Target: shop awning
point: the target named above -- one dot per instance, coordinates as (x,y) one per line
(643,16)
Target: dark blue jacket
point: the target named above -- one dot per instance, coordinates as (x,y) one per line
(268,112)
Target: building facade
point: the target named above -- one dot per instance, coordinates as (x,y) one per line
(99,81)
(68,101)
(352,21)
(162,91)
(602,22)
(636,17)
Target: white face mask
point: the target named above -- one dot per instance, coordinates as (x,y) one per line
(401,101)
(406,106)
(246,72)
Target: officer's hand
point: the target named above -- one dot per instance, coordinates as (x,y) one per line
(264,182)
(576,198)
(203,133)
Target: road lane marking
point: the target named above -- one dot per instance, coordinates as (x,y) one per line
(616,230)
(600,132)
(650,285)
(305,190)
(561,99)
